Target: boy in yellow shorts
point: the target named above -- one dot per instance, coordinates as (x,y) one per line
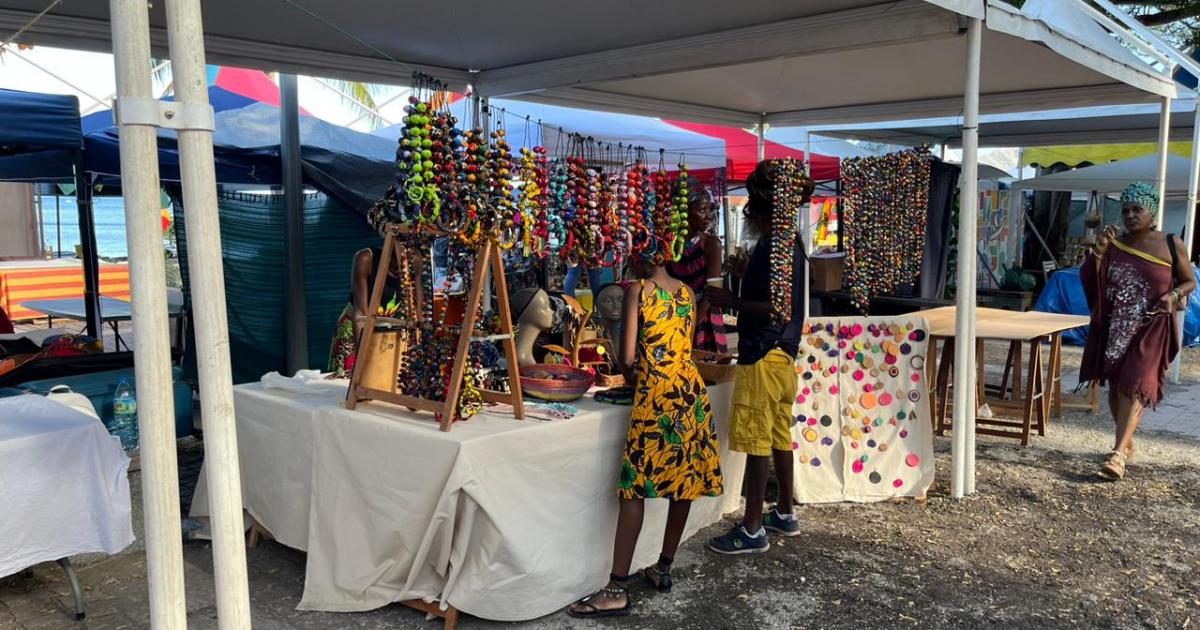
(764,385)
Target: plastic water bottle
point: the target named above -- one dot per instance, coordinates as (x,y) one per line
(125,415)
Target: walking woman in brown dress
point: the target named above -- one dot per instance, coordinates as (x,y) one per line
(1134,282)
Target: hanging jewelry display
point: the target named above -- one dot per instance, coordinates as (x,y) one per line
(885,204)
(790,190)
(636,197)
(680,215)
(534,202)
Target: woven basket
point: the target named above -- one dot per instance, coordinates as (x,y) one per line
(571,383)
(714,367)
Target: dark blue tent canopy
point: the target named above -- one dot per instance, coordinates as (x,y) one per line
(40,137)
(353,167)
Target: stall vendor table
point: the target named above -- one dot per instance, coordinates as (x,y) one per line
(1041,395)
(112,311)
(63,487)
(500,518)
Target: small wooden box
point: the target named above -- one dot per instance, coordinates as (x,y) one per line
(381,360)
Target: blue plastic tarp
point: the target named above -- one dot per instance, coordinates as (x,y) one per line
(1064,294)
(39,136)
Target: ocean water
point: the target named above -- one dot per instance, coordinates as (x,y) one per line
(110,225)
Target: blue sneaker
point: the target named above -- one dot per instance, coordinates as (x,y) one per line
(739,541)
(774,521)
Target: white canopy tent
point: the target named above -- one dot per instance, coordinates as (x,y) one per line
(1088,125)
(1114,177)
(813,62)
(703,60)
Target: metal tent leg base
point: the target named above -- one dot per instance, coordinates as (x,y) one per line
(76,589)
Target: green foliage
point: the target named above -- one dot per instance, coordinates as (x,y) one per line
(1178,21)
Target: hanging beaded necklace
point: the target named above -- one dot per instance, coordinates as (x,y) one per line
(680,215)
(788,194)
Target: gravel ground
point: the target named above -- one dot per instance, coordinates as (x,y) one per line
(1043,544)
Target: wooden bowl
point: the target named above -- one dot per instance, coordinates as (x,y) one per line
(556,383)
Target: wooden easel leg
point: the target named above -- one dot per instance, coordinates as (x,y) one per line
(364,340)
(464,335)
(506,328)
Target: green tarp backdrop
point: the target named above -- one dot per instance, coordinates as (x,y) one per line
(252,228)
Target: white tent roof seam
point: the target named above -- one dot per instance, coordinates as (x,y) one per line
(701,60)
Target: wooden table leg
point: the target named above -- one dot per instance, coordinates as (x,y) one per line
(450,615)
(931,375)
(257,533)
(1017,363)
(980,375)
(1032,402)
(1043,389)
(1054,377)
(945,370)
(1008,365)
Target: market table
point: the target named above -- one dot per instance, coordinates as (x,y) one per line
(63,487)
(500,518)
(112,311)
(1041,396)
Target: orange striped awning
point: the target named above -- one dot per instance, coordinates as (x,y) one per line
(22,284)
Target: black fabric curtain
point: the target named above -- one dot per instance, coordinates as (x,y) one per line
(943,185)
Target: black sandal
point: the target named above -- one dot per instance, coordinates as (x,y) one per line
(611,593)
(659,579)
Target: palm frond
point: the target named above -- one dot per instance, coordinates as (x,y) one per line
(357,94)
(162,70)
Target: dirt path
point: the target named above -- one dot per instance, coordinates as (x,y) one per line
(1042,545)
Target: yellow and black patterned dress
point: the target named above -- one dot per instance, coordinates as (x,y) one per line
(671,451)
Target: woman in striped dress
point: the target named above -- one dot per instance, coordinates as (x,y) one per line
(700,261)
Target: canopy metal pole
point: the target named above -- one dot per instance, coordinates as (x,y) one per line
(58,224)
(1189,226)
(198,172)
(87,241)
(762,138)
(962,450)
(152,343)
(296,324)
(1164,141)
(806,228)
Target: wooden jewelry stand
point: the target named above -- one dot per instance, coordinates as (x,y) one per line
(488,254)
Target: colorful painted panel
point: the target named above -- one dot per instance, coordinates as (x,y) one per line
(862,430)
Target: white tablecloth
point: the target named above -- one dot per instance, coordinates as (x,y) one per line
(500,518)
(63,485)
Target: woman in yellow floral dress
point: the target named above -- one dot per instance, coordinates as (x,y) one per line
(671,451)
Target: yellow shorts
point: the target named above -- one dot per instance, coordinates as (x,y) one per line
(763,394)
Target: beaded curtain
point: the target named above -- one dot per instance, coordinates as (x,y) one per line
(885,202)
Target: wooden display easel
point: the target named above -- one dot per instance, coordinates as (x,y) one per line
(488,254)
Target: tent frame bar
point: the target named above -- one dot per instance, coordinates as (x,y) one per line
(851,29)
(963,447)
(185,30)
(151,345)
